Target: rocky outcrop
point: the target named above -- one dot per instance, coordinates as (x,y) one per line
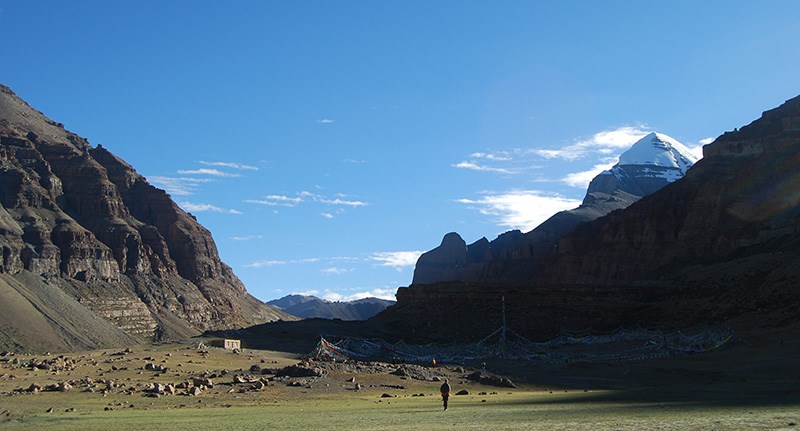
(722,242)
(650,164)
(84,221)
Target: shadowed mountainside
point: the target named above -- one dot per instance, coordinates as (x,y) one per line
(722,242)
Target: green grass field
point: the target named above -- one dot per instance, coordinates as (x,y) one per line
(703,402)
(520,410)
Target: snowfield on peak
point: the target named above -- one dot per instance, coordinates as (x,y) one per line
(659,149)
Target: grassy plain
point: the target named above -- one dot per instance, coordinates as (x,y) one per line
(740,388)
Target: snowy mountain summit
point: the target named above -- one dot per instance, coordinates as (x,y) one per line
(658,149)
(651,163)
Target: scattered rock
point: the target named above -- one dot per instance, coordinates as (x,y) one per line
(416,372)
(385,395)
(393,386)
(491,379)
(299,370)
(462,392)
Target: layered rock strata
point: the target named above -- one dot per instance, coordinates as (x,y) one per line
(84,221)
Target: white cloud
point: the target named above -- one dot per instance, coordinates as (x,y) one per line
(396,259)
(697,150)
(355,161)
(231,165)
(178,186)
(335,270)
(605,142)
(582,179)
(246,237)
(326,215)
(205,171)
(523,209)
(306,196)
(483,168)
(338,201)
(502,156)
(326,121)
(194,207)
(270,263)
(276,200)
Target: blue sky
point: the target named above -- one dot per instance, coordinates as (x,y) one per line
(326,143)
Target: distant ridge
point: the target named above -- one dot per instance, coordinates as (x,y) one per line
(308,307)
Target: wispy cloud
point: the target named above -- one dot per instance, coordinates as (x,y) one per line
(231,165)
(326,215)
(178,186)
(206,171)
(270,263)
(523,209)
(501,156)
(605,142)
(326,121)
(355,161)
(335,271)
(583,178)
(471,165)
(306,196)
(398,260)
(247,237)
(338,201)
(201,207)
(277,200)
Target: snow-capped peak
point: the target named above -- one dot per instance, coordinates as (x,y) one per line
(660,150)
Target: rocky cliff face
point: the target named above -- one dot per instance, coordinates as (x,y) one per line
(83,220)
(722,242)
(650,164)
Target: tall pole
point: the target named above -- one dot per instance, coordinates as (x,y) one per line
(503,333)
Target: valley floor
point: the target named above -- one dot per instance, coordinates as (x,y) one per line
(752,385)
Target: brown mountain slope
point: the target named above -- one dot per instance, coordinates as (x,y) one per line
(81,220)
(720,243)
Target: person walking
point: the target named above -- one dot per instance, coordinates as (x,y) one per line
(445,390)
